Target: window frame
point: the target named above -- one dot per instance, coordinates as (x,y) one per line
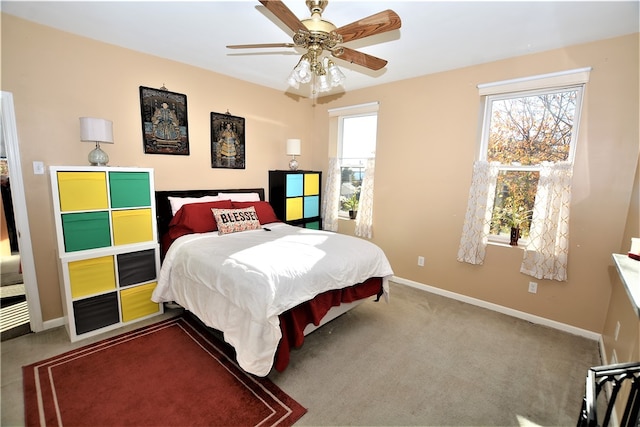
(514,89)
(340,114)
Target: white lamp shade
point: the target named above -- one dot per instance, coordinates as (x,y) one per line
(96,130)
(293,147)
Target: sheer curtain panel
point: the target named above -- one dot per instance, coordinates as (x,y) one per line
(364,219)
(331,199)
(546,254)
(477,221)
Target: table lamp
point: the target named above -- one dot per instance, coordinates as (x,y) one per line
(96,131)
(293,149)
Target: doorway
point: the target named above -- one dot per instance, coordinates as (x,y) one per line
(14,312)
(20,304)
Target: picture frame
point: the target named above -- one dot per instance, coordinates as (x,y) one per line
(165,128)
(227,141)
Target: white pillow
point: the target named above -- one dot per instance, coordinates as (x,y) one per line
(178,202)
(240,197)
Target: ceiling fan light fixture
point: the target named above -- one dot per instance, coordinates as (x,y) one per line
(293,80)
(324,84)
(337,76)
(302,71)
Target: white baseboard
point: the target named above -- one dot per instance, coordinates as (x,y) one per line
(53,323)
(500,309)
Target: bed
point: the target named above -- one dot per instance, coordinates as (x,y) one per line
(263,283)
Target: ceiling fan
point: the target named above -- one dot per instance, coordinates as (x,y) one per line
(317,35)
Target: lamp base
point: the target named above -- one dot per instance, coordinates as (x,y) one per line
(293,164)
(97,157)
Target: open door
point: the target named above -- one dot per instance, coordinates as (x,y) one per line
(19,205)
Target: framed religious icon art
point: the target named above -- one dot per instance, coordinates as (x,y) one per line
(227,141)
(164,121)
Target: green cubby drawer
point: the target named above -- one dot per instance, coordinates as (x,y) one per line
(136,267)
(86,230)
(129,189)
(96,312)
(315,225)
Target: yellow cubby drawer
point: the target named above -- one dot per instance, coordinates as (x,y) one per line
(294,208)
(92,276)
(82,191)
(311,184)
(136,302)
(132,226)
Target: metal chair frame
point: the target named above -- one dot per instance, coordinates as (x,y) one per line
(615,376)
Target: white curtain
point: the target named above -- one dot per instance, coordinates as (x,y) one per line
(477,221)
(331,196)
(546,254)
(364,218)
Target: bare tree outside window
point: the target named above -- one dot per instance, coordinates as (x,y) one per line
(522,131)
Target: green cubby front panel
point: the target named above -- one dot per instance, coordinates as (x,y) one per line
(295,185)
(311,206)
(86,230)
(96,312)
(315,225)
(129,189)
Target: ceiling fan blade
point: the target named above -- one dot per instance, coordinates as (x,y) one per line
(283,13)
(364,59)
(254,46)
(379,23)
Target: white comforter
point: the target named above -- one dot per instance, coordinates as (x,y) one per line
(239,283)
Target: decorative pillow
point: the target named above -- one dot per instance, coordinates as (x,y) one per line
(234,220)
(178,202)
(240,197)
(196,218)
(263,209)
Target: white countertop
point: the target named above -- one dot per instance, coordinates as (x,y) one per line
(629,270)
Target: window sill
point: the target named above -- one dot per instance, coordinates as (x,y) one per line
(504,242)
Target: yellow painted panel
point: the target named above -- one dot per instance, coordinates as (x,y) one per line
(311,184)
(92,276)
(132,226)
(294,208)
(136,302)
(82,191)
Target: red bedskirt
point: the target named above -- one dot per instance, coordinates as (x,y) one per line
(294,321)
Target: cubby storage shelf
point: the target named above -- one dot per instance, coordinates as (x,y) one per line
(107,246)
(296,197)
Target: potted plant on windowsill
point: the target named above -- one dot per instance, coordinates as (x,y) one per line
(351,205)
(514,217)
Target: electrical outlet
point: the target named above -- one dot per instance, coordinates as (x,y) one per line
(533,287)
(615,335)
(421,261)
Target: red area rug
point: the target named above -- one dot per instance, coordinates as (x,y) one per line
(169,373)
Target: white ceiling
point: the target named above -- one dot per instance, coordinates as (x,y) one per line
(435,35)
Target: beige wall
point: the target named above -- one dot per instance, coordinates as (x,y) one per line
(427,143)
(56,77)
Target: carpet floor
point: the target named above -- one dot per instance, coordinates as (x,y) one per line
(169,373)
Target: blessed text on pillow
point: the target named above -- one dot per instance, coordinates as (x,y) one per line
(235,220)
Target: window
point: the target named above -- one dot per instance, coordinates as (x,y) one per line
(356,143)
(521,130)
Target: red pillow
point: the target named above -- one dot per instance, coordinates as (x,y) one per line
(196,218)
(263,209)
